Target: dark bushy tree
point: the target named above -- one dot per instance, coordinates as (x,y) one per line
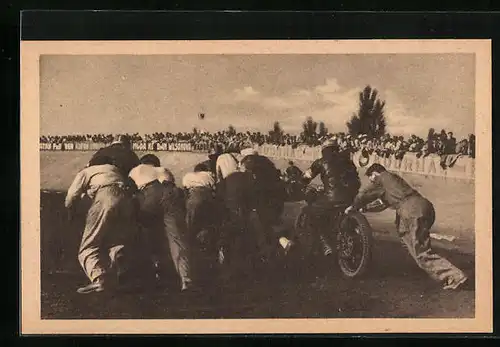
(231,131)
(370,119)
(322,129)
(309,131)
(276,134)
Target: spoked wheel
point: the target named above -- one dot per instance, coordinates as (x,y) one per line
(354,245)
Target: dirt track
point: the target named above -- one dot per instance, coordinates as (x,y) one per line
(395,287)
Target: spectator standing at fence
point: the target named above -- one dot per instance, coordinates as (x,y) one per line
(120,151)
(472,145)
(450,144)
(109,223)
(415,216)
(462,147)
(162,216)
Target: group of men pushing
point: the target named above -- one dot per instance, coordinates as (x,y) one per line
(137,202)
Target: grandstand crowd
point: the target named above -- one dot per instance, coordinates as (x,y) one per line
(440,143)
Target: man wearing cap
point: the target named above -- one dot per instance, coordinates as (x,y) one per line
(415,216)
(211,164)
(109,223)
(162,215)
(120,151)
(341,184)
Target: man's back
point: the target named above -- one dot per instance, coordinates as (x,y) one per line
(144,174)
(226,164)
(261,167)
(238,188)
(125,159)
(91,179)
(198,180)
(395,188)
(339,176)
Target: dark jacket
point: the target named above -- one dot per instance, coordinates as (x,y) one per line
(210,164)
(262,168)
(125,159)
(269,189)
(237,191)
(339,176)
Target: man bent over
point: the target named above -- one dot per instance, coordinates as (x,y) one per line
(201,211)
(415,216)
(108,224)
(162,214)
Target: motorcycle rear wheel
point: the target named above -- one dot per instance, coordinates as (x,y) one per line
(354,245)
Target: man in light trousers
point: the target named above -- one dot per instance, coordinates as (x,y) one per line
(415,216)
(108,225)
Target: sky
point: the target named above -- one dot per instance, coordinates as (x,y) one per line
(150,93)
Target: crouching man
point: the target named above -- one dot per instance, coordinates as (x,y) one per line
(108,225)
(162,215)
(415,216)
(201,212)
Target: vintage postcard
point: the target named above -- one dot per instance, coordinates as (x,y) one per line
(216,187)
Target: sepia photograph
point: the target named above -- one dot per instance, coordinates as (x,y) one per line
(279,186)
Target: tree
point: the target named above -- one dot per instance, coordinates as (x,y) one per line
(370,119)
(276,134)
(322,130)
(231,131)
(309,130)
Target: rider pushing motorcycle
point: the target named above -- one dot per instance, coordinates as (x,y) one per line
(341,184)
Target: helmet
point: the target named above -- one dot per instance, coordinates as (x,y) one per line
(331,144)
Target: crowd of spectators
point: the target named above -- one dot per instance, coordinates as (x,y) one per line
(443,143)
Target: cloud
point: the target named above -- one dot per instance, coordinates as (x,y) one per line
(330,103)
(246,94)
(330,87)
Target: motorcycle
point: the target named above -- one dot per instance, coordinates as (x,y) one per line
(349,234)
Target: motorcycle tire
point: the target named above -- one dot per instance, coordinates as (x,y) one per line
(365,242)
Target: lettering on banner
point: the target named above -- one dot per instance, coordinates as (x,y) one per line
(431,167)
(397,164)
(45,146)
(388,162)
(162,146)
(407,164)
(69,146)
(459,170)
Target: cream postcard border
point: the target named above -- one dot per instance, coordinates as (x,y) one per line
(31,322)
